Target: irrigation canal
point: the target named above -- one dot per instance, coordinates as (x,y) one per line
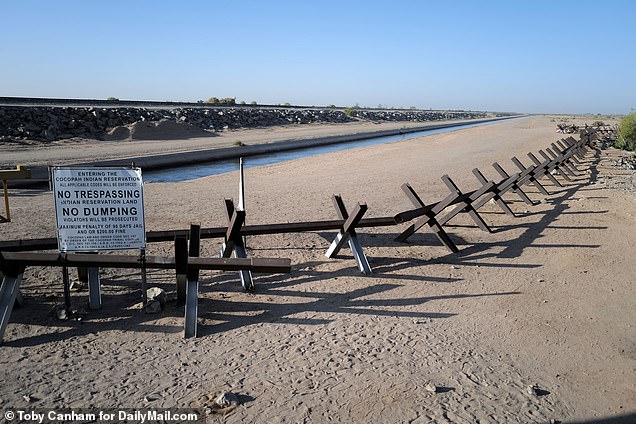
(199,170)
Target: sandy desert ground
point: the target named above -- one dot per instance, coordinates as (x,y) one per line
(547,299)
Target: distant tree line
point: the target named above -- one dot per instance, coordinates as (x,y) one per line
(226,101)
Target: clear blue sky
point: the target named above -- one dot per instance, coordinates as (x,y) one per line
(535,56)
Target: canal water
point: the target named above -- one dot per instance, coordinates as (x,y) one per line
(191,172)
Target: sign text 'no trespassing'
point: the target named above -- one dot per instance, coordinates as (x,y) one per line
(99,209)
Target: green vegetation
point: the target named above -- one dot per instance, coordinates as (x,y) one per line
(112,99)
(331,106)
(231,101)
(253,103)
(350,112)
(627,133)
(238,143)
(598,124)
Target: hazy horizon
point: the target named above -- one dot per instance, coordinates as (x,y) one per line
(540,57)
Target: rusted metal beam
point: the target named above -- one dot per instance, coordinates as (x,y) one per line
(347,234)
(194,249)
(554,165)
(17,260)
(544,166)
(496,192)
(532,176)
(466,203)
(559,164)
(181,266)
(428,219)
(515,185)
(215,232)
(562,160)
(233,244)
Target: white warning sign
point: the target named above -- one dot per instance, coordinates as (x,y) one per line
(99,209)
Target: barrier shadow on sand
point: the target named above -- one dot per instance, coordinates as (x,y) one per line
(121,310)
(264,309)
(117,314)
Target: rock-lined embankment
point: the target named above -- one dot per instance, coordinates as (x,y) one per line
(57,123)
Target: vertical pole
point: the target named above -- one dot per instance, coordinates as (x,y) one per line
(67,286)
(241,195)
(181,265)
(82,274)
(360,257)
(90,277)
(191,309)
(6,199)
(239,248)
(142,261)
(247,281)
(94,289)
(192,287)
(194,249)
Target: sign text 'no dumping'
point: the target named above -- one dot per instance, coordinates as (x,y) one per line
(99,209)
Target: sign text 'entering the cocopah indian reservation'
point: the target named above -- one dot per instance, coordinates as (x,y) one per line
(99,209)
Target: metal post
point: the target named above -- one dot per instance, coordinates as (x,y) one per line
(554,164)
(90,277)
(496,193)
(429,218)
(465,206)
(348,234)
(532,174)
(562,160)
(192,287)
(8,294)
(191,309)
(241,196)
(67,286)
(233,245)
(6,200)
(360,257)
(94,289)
(546,171)
(245,274)
(516,189)
(181,265)
(142,265)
